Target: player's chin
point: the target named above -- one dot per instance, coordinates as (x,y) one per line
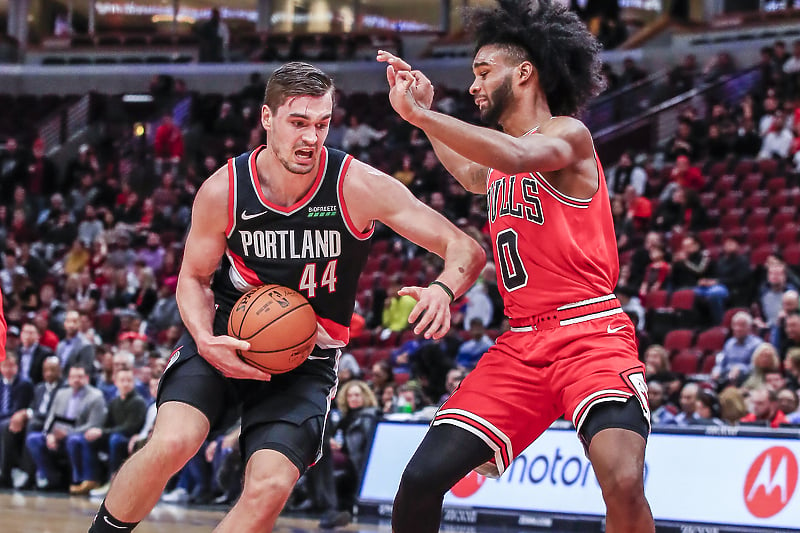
(300,167)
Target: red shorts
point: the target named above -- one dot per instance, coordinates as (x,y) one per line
(529,379)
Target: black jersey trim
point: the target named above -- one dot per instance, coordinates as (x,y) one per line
(348,222)
(300,204)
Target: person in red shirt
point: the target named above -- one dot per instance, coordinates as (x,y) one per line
(686,175)
(571,350)
(168,145)
(764,408)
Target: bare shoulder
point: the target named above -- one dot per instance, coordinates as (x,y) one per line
(211,201)
(216,185)
(363,180)
(369,193)
(571,130)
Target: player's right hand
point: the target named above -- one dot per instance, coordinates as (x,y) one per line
(221,351)
(431,315)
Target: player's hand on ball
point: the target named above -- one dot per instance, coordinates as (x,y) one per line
(432,312)
(221,351)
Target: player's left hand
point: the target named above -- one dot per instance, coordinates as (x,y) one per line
(432,312)
(402,98)
(422,88)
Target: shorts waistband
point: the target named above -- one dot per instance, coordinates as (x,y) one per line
(568,314)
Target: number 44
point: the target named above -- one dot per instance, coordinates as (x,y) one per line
(308,281)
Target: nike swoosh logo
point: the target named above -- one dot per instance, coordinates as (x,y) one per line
(112,525)
(317,357)
(609,329)
(245,216)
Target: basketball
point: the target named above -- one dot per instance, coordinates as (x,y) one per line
(279,324)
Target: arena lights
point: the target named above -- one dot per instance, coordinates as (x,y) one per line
(137,98)
(375,21)
(184,13)
(647,5)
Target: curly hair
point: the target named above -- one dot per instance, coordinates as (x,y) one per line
(564,52)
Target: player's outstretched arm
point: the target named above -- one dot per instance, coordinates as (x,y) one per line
(469,174)
(564,140)
(205,246)
(372,195)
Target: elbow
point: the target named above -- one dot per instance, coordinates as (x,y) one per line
(478,256)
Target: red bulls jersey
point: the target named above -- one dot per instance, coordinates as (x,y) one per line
(550,249)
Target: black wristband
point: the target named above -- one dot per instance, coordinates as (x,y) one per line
(445,288)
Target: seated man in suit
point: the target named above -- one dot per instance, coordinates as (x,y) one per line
(73,349)
(74,410)
(16,394)
(30,420)
(31,353)
(124,419)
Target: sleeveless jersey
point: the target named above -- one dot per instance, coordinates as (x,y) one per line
(311,246)
(550,249)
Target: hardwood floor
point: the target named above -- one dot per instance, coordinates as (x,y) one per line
(27,512)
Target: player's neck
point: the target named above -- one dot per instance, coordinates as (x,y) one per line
(526,115)
(278,185)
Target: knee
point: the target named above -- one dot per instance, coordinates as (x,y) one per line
(75,440)
(275,486)
(263,494)
(117,439)
(171,450)
(419,482)
(624,487)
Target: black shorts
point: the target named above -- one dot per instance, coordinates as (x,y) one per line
(286,414)
(627,415)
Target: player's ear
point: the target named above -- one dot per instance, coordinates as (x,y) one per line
(525,72)
(266,117)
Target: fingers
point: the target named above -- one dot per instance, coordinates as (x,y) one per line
(414,292)
(236,344)
(393,60)
(421,79)
(404,79)
(391,76)
(433,322)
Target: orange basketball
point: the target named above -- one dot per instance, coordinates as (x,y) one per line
(279,324)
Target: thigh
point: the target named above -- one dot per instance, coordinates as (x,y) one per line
(507,401)
(287,413)
(190,379)
(300,443)
(599,364)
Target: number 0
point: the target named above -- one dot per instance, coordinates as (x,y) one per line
(511,268)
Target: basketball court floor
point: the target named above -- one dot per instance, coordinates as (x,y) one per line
(32,512)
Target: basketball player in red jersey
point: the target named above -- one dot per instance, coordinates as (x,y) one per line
(571,350)
(259,217)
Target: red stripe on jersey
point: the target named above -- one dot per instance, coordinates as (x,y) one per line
(247,274)
(335,330)
(357,232)
(231,196)
(311,191)
(483,429)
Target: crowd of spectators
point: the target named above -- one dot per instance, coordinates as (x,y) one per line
(91,252)
(688,227)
